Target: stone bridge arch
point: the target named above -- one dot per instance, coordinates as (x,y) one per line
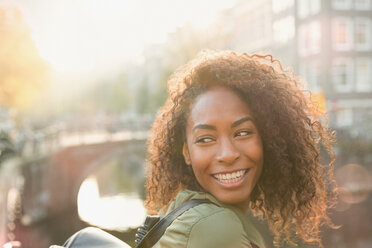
(132,151)
(49,197)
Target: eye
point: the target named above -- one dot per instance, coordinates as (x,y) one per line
(204,140)
(242,133)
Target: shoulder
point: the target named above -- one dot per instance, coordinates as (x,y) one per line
(205,225)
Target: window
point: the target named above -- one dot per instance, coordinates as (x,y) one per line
(342,4)
(362,4)
(302,40)
(314,76)
(302,8)
(314,6)
(344,117)
(307,7)
(342,34)
(309,38)
(284,29)
(362,34)
(310,73)
(303,74)
(279,6)
(363,77)
(342,74)
(314,36)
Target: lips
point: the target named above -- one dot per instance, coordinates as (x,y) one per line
(231,177)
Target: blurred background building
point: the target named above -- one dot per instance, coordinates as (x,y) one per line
(328,43)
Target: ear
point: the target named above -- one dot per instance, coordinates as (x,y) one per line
(186,154)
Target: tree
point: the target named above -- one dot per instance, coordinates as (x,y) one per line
(143,98)
(119,98)
(183,45)
(23,73)
(160,94)
(7,148)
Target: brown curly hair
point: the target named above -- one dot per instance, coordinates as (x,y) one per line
(294,190)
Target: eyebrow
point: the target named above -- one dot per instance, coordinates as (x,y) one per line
(242,120)
(204,126)
(211,127)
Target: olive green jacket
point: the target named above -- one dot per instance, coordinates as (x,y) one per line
(208,225)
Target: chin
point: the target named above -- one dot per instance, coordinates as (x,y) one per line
(231,199)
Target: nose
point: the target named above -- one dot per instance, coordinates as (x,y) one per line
(227,152)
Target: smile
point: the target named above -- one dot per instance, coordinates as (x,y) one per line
(230,177)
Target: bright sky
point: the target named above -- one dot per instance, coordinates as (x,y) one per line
(81,36)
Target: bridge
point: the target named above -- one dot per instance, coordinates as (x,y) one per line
(50,184)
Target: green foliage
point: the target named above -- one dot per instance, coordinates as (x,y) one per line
(161,93)
(182,46)
(23,73)
(7,148)
(118,98)
(143,101)
(111,96)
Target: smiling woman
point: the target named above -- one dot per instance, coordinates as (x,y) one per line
(239,131)
(223,146)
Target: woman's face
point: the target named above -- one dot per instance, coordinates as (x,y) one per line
(223,146)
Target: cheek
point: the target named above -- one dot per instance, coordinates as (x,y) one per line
(201,159)
(253,149)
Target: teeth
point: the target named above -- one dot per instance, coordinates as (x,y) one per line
(230,177)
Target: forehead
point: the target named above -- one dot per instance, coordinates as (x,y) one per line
(218,104)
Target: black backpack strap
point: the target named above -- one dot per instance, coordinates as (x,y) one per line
(159,228)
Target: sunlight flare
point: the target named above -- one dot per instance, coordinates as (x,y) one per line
(118,212)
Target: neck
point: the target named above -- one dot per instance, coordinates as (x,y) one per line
(243,206)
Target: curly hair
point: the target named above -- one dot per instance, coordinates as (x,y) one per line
(294,190)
